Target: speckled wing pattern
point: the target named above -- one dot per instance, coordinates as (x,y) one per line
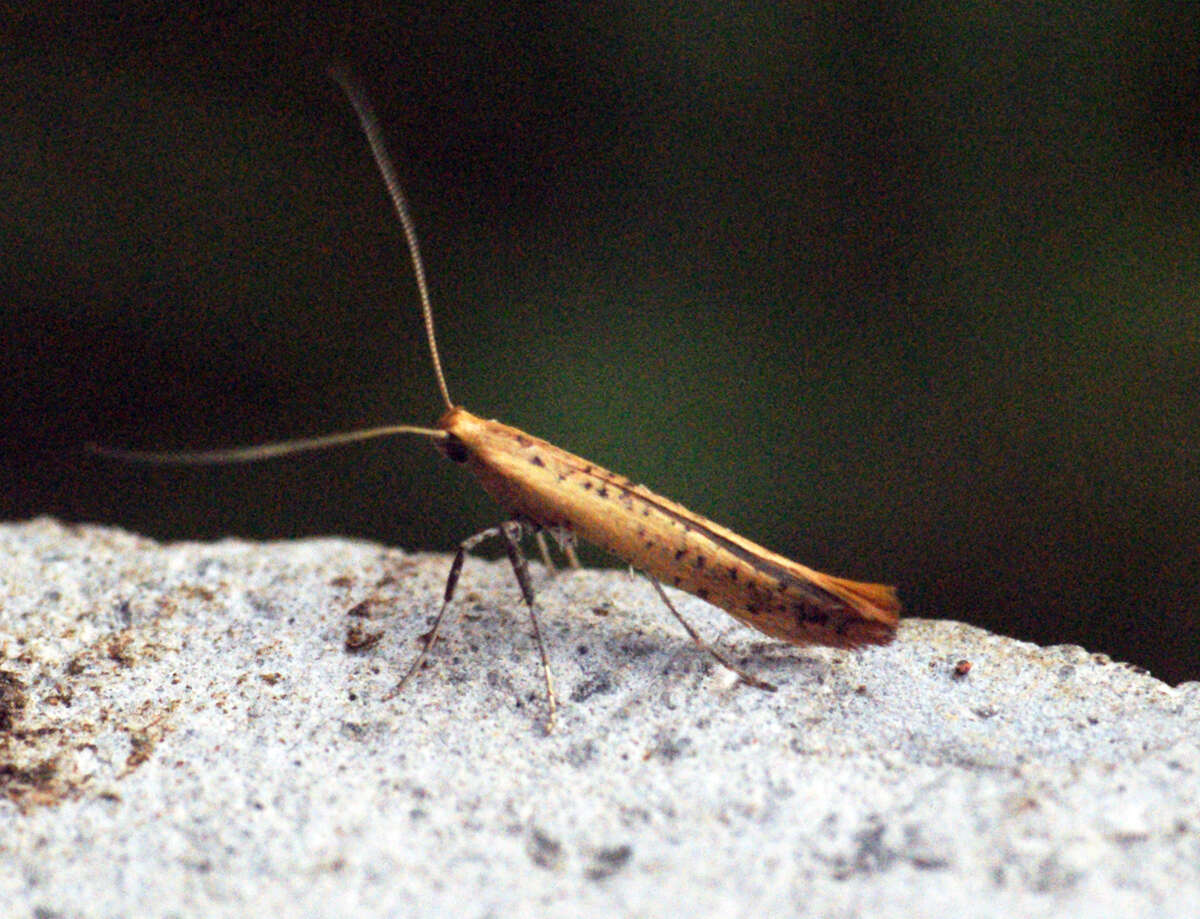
(552,488)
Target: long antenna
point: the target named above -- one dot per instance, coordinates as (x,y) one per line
(370,126)
(262,451)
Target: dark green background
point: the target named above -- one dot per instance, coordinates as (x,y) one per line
(906,293)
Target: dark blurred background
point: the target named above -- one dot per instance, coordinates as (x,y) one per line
(907,296)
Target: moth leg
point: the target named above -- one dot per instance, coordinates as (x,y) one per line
(544,550)
(512,533)
(564,539)
(451,583)
(701,643)
(566,542)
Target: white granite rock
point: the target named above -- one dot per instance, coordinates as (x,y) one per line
(199,730)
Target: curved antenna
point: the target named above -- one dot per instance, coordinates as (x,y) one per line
(370,126)
(262,451)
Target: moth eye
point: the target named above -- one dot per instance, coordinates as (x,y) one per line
(454,449)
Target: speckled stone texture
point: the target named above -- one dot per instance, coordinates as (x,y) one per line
(200,730)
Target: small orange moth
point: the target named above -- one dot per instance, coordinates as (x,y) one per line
(545,489)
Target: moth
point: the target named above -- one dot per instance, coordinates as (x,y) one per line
(545,489)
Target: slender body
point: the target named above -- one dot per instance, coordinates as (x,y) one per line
(545,488)
(553,489)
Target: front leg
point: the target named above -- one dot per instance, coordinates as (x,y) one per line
(511,533)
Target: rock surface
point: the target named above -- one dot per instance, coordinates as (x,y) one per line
(200,730)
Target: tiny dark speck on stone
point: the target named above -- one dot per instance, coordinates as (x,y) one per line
(592,686)
(670,748)
(544,851)
(929,863)
(607,862)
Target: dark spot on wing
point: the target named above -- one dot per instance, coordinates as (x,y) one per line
(810,615)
